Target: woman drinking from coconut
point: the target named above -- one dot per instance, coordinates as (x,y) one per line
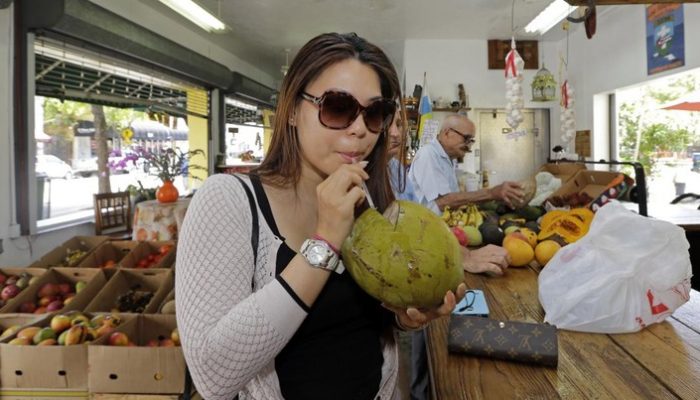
(271,315)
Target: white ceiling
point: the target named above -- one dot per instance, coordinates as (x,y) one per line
(260,30)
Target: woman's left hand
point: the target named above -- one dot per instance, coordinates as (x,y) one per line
(413,318)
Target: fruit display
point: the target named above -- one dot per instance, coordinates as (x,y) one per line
(73,257)
(67,329)
(153,259)
(406,257)
(52,297)
(162,341)
(134,300)
(12,285)
(150,255)
(467,215)
(572,200)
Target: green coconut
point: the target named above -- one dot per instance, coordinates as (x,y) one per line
(405,258)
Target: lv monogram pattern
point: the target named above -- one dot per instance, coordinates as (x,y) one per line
(506,340)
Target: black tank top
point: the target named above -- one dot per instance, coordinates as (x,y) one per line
(336,352)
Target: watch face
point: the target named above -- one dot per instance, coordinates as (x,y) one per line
(317,255)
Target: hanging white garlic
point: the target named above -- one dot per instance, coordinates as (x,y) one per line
(514,87)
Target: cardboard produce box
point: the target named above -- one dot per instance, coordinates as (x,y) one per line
(61,255)
(52,366)
(141,369)
(151,255)
(108,254)
(94,279)
(42,367)
(8,296)
(564,171)
(599,186)
(159,282)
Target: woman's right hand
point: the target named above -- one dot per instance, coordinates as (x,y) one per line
(338,196)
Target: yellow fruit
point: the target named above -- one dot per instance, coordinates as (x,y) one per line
(545,250)
(530,235)
(519,249)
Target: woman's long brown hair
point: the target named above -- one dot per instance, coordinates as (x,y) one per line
(282,165)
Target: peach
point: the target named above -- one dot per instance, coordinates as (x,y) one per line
(118,339)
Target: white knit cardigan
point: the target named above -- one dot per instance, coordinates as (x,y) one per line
(231,333)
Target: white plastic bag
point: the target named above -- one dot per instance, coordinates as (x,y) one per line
(627,272)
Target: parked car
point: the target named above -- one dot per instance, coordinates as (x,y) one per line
(696,162)
(52,167)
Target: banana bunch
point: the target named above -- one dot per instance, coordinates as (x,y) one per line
(467,215)
(474,216)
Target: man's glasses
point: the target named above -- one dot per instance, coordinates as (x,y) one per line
(469,139)
(338,110)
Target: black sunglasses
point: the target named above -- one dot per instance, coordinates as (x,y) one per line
(338,110)
(469,139)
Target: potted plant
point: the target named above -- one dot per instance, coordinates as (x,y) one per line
(166,165)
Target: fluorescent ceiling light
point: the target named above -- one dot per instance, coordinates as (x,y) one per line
(192,11)
(552,15)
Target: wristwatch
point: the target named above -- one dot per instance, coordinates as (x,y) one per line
(319,254)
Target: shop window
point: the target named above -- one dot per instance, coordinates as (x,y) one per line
(142,111)
(665,138)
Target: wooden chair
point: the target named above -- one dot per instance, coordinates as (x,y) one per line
(113,215)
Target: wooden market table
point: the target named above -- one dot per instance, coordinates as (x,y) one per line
(659,362)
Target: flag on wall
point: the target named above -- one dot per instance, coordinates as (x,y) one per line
(425,106)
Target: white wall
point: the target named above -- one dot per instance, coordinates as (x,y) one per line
(616,58)
(450,62)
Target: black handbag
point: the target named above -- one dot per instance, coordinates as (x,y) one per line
(505,340)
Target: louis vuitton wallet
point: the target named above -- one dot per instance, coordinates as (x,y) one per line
(505,340)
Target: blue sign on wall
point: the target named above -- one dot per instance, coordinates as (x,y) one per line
(665,37)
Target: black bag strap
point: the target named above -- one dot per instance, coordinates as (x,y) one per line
(256,228)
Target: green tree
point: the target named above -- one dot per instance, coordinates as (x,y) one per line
(645,129)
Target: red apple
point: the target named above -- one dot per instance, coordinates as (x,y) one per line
(152,343)
(3,278)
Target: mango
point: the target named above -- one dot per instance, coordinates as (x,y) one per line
(9,331)
(28,333)
(62,338)
(60,323)
(76,335)
(43,334)
(519,249)
(21,341)
(545,250)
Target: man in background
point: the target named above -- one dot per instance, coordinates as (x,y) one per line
(433,180)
